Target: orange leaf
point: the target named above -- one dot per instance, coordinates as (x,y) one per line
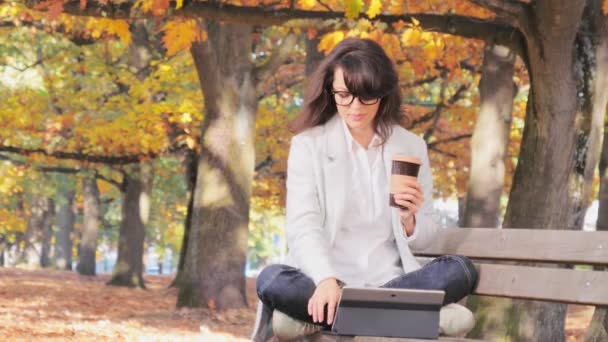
(83,5)
(312,33)
(211,304)
(55,10)
(159,6)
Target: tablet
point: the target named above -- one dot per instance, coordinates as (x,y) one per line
(388,312)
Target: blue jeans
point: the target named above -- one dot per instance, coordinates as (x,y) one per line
(288,290)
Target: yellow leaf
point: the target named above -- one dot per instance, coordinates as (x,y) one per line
(375,7)
(410,37)
(415,22)
(179,4)
(179,35)
(353,8)
(307,4)
(121,29)
(330,40)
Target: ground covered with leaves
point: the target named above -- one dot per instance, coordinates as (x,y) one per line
(61,305)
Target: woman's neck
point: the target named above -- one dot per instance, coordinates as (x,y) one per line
(363,137)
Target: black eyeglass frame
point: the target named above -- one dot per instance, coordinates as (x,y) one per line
(365,102)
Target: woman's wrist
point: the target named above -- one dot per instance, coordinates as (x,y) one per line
(409,224)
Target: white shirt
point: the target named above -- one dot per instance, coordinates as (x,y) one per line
(366,253)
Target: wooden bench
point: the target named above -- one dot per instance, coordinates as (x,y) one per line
(487,247)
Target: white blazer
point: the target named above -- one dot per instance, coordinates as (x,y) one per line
(316,187)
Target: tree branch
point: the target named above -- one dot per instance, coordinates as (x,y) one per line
(450,139)
(507,8)
(117,184)
(468,27)
(278,56)
(434,148)
(440,106)
(111,160)
(76,37)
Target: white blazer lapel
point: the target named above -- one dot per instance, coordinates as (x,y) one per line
(334,171)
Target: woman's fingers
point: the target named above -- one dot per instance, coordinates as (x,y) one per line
(331,309)
(407,200)
(310,304)
(320,306)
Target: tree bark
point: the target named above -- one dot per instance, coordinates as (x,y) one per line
(65,225)
(47,234)
(557,147)
(217,247)
(490,138)
(313,55)
(88,242)
(32,251)
(486,179)
(191,161)
(128,270)
(598,328)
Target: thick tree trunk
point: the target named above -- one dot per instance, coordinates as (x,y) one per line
(191,165)
(137,184)
(486,179)
(217,247)
(490,138)
(88,241)
(557,151)
(32,251)
(47,234)
(65,226)
(598,328)
(128,270)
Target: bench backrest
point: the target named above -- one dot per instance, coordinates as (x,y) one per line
(549,281)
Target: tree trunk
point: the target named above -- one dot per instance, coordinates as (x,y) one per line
(598,328)
(47,234)
(88,242)
(556,151)
(313,55)
(191,165)
(63,238)
(486,178)
(32,251)
(490,138)
(128,270)
(217,246)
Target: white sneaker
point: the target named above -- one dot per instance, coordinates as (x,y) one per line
(286,328)
(455,320)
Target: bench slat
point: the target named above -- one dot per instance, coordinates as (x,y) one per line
(560,246)
(333,338)
(542,283)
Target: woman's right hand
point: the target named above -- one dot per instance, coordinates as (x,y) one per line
(326,293)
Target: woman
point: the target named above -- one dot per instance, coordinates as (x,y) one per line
(340,228)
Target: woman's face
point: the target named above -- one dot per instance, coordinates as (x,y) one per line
(358,116)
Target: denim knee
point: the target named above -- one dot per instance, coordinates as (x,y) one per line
(469,268)
(265,278)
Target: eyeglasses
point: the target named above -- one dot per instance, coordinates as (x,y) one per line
(345,98)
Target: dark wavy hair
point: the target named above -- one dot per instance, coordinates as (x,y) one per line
(368,73)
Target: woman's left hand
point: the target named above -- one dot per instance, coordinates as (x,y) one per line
(409,196)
